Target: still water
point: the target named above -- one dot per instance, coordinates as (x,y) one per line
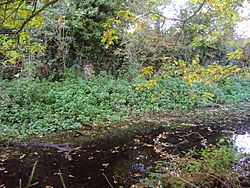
(111,162)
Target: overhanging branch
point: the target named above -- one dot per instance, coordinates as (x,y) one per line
(35,13)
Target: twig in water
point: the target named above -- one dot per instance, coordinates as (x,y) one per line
(61,178)
(30,184)
(107,180)
(20,183)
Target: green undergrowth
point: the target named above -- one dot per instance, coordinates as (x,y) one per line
(210,167)
(31,107)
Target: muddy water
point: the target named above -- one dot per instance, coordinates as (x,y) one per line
(93,165)
(114,162)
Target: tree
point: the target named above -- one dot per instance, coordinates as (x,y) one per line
(200,29)
(208,32)
(19,18)
(84,22)
(82,28)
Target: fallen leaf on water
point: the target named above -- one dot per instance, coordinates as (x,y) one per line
(22,156)
(105,165)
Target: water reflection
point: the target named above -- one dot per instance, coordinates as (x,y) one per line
(242,143)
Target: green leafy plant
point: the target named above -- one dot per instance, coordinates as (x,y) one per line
(207,168)
(33,106)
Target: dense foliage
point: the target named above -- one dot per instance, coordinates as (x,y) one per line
(76,40)
(72,33)
(36,106)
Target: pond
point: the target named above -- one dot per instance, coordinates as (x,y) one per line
(116,161)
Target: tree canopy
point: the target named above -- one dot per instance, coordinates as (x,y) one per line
(109,34)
